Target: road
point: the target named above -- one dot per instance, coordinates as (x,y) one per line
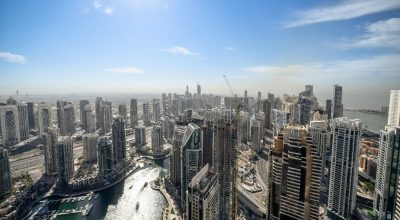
(251,203)
(256,201)
(262,173)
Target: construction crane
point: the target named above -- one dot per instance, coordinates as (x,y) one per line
(233,94)
(229,85)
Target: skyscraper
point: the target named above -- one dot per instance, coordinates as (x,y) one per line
(66,118)
(10,130)
(275,167)
(296,176)
(175,163)
(134,113)
(31,115)
(387,175)
(203,196)
(293,113)
(337,106)
(271,97)
(99,113)
(106,109)
(277,104)
(140,136)
(207,132)
(320,136)
(246,101)
(65,157)
(168,128)
(224,163)
(105,157)
(198,90)
(119,140)
(90,142)
(5,177)
(60,122)
(88,120)
(156,139)
(50,151)
(256,135)
(305,106)
(191,157)
(346,136)
(23,121)
(146,114)
(267,109)
(243,127)
(82,104)
(44,117)
(123,111)
(394,108)
(164,104)
(328,108)
(279,119)
(397,205)
(156,111)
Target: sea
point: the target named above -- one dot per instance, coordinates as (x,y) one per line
(371,121)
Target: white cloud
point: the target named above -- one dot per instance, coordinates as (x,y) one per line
(381,34)
(229,49)
(97,4)
(108,10)
(384,26)
(342,11)
(102,8)
(129,69)
(276,69)
(181,51)
(15,58)
(378,65)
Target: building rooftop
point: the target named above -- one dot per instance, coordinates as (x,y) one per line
(344,122)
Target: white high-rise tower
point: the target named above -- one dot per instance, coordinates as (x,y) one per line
(394,108)
(346,137)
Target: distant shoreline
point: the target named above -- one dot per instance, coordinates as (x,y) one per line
(368,111)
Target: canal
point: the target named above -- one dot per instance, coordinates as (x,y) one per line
(120,200)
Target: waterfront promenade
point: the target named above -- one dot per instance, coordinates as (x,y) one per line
(99,188)
(170,212)
(160,157)
(86,191)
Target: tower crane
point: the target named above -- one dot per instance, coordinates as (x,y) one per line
(233,94)
(229,85)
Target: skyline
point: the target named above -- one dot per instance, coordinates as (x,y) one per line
(123,46)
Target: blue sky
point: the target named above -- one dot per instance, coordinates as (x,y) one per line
(147,46)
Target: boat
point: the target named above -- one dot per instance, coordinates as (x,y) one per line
(137,205)
(96,196)
(87,209)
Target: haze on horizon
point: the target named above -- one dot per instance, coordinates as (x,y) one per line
(154,46)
